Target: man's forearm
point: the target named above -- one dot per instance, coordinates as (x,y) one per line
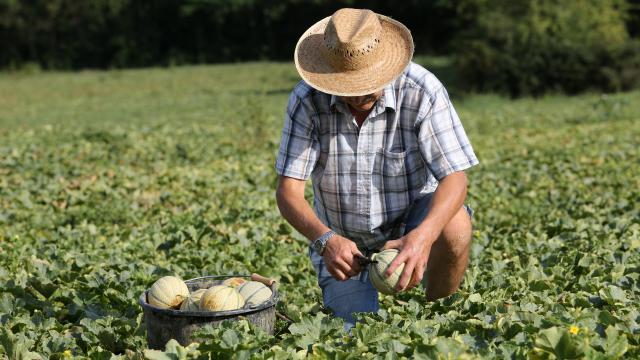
(447,200)
(339,253)
(295,209)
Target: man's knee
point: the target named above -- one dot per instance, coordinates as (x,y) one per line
(456,235)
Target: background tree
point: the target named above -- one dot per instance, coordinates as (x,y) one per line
(531,46)
(519,47)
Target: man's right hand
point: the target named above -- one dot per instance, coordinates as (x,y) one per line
(339,252)
(340,257)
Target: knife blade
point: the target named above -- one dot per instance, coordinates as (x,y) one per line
(364,261)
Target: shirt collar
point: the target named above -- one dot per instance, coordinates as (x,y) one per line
(389,96)
(388,100)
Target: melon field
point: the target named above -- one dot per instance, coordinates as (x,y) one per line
(110,180)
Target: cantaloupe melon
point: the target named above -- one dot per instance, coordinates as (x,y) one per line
(377,270)
(168,292)
(254,293)
(234,282)
(192,303)
(221,298)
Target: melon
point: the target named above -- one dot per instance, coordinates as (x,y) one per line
(221,298)
(168,292)
(254,293)
(193,302)
(377,270)
(234,282)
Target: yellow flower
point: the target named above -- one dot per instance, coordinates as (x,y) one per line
(574,329)
(67,353)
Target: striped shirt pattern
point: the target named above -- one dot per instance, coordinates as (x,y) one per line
(364,179)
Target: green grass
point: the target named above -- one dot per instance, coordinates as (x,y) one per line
(109,180)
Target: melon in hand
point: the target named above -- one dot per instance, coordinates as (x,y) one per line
(376,271)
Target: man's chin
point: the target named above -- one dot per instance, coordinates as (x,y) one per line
(365,107)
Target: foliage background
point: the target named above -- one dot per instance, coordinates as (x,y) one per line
(516,47)
(67,34)
(530,46)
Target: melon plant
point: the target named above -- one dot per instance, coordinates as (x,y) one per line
(377,271)
(254,293)
(192,303)
(168,292)
(221,298)
(234,282)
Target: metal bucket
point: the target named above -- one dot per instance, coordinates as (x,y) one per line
(166,324)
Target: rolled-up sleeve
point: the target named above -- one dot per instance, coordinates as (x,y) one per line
(443,142)
(299,144)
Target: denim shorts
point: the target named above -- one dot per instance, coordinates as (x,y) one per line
(358,294)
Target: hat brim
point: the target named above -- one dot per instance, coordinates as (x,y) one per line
(390,61)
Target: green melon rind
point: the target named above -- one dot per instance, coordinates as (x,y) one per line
(379,283)
(257,296)
(376,272)
(193,302)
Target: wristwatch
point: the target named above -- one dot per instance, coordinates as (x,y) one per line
(320,243)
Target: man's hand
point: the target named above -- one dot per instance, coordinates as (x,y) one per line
(339,257)
(414,248)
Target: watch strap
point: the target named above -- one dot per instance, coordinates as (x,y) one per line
(320,243)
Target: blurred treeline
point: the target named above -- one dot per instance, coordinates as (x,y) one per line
(514,46)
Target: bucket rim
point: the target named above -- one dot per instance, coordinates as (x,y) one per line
(273,300)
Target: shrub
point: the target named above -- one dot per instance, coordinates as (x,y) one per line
(530,47)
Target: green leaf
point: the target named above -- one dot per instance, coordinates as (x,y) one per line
(617,293)
(17,347)
(616,345)
(173,351)
(230,339)
(475,298)
(558,342)
(606,318)
(159,355)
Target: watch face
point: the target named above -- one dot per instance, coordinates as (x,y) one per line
(318,246)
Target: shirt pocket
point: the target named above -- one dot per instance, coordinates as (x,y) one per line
(399,172)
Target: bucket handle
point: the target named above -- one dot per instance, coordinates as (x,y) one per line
(255,277)
(265,280)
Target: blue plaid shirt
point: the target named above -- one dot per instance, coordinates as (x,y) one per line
(365,179)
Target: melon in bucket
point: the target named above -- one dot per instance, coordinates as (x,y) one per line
(254,293)
(221,298)
(168,292)
(377,270)
(193,302)
(234,282)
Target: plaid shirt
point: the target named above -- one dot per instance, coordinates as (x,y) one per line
(365,179)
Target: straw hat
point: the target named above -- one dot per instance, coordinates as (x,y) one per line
(353,52)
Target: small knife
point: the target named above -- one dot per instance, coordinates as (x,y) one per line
(364,261)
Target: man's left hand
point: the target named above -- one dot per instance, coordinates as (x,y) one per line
(415,248)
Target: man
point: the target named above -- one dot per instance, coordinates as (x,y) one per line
(385,151)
